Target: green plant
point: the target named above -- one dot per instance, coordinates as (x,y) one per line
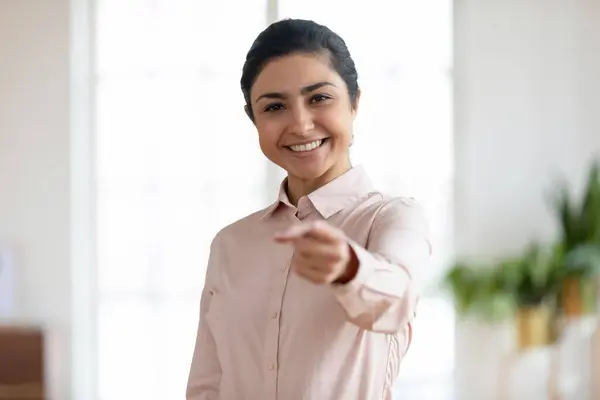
(537,276)
(583,261)
(495,291)
(533,278)
(579,223)
(474,291)
(477,290)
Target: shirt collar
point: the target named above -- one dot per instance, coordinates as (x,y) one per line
(329,199)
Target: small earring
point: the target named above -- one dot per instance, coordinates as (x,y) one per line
(352,140)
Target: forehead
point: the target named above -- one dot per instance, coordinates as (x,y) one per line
(292,72)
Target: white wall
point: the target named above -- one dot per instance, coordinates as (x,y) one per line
(34,169)
(527,109)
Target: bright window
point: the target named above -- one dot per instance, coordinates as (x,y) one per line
(172,139)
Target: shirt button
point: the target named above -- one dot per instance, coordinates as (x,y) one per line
(271,366)
(274,315)
(283,268)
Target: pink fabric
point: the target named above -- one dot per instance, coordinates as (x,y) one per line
(266,334)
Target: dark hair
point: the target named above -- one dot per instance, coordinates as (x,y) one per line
(298,36)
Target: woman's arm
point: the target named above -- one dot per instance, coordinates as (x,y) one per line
(383,294)
(205,372)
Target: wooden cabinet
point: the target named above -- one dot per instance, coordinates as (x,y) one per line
(21,363)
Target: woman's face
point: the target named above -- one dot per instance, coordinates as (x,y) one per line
(303,115)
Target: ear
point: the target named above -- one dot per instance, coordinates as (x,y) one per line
(356,102)
(248,112)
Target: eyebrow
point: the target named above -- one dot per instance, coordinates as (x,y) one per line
(303,91)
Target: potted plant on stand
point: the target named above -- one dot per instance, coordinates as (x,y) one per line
(533,280)
(513,294)
(580,242)
(483,330)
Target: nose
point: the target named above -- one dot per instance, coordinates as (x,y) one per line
(301,121)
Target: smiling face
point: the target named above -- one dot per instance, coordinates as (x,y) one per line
(304,117)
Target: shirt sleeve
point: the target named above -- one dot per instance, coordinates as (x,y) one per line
(205,373)
(383,295)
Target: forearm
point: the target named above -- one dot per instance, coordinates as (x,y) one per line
(382,296)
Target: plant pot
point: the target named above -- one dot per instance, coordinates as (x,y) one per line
(534,327)
(579,297)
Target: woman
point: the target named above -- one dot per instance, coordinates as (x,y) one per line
(311,298)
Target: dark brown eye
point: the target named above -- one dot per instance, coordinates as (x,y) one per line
(274,107)
(319,98)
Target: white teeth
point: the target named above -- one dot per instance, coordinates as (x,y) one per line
(307,147)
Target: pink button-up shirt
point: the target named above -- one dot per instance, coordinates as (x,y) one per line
(267,334)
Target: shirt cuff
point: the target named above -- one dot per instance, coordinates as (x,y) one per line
(365,269)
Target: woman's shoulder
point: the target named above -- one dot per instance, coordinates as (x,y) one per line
(389,209)
(384,203)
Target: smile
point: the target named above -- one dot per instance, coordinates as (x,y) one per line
(307,146)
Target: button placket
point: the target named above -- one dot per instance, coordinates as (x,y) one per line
(275,303)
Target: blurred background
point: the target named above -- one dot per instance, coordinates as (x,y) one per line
(124,148)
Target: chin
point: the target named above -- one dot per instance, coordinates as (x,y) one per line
(307,173)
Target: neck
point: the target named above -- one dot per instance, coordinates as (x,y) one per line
(298,187)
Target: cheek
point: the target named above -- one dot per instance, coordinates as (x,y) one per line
(340,128)
(268,134)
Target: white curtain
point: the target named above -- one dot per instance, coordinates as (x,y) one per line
(177,159)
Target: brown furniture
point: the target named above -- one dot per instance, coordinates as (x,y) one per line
(21,363)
